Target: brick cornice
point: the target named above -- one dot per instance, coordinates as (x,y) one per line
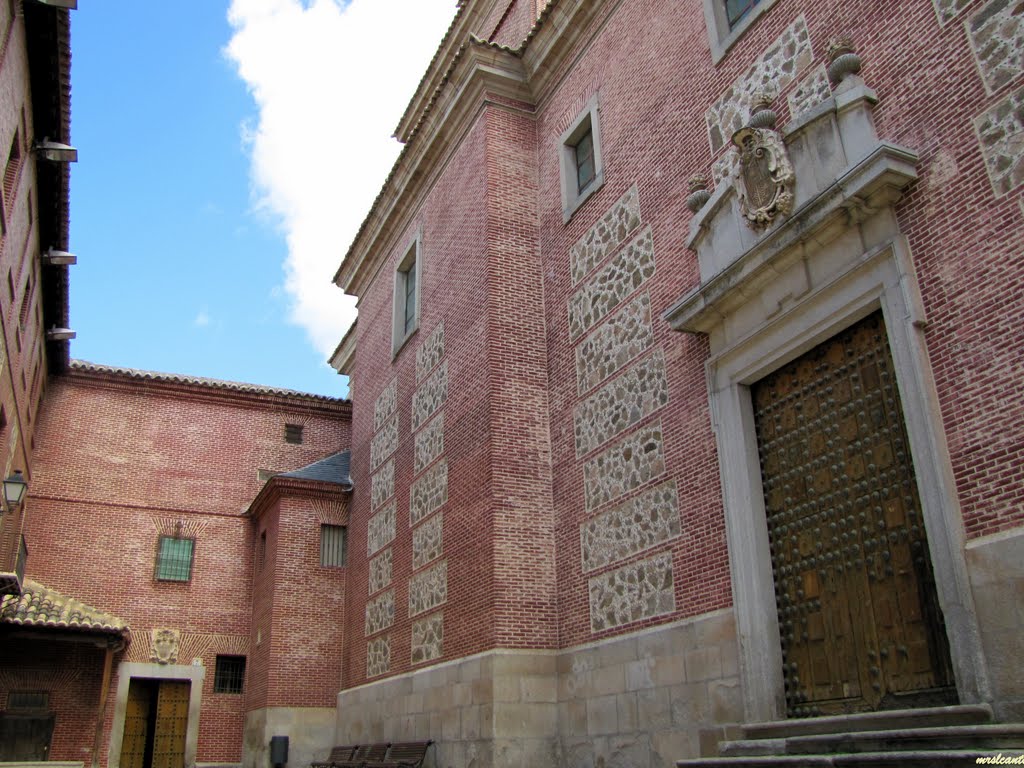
(206,390)
(280,487)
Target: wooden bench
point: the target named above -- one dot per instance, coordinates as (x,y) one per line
(407,754)
(338,755)
(366,755)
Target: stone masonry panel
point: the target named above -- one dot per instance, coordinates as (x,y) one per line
(430,353)
(625,273)
(430,396)
(427,638)
(384,443)
(999,131)
(809,92)
(382,485)
(614,344)
(605,236)
(949,9)
(380,613)
(381,529)
(643,522)
(428,589)
(426,541)
(996,32)
(428,492)
(380,571)
(626,465)
(429,443)
(776,68)
(621,403)
(378,656)
(386,404)
(637,591)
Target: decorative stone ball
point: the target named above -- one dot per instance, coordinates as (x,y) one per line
(699,194)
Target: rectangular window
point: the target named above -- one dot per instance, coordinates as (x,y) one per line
(174,558)
(293,433)
(407,294)
(582,172)
(261,556)
(728,20)
(229,674)
(332,544)
(737,9)
(28,701)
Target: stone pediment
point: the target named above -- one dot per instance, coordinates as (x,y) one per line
(846,178)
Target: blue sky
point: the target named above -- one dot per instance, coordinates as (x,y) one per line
(206,229)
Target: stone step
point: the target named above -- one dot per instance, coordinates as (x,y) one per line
(909,759)
(889,720)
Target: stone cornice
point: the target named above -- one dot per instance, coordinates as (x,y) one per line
(345,353)
(480,71)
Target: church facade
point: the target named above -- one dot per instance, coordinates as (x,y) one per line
(683,379)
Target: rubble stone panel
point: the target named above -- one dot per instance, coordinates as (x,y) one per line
(430,396)
(996,32)
(621,403)
(947,10)
(384,443)
(629,528)
(427,638)
(380,613)
(605,236)
(382,484)
(623,275)
(999,129)
(428,492)
(634,592)
(378,656)
(430,353)
(429,443)
(427,541)
(614,344)
(626,465)
(810,92)
(381,529)
(386,404)
(380,571)
(776,68)
(428,589)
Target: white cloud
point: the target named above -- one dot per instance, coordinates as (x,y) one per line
(202,318)
(330,80)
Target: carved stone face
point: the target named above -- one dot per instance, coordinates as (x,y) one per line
(164,648)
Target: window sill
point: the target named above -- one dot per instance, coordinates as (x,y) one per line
(570,210)
(403,341)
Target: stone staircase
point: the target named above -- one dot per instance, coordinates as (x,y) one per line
(909,738)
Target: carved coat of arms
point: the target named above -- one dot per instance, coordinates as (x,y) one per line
(164,647)
(765,176)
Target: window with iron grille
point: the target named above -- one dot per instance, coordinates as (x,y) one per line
(174,558)
(28,701)
(737,9)
(293,433)
(406,298)
(582,171)
(332,544)
(229,674)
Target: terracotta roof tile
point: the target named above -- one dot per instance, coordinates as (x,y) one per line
(40,606)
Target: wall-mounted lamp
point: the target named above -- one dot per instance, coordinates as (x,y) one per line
(56,152)
(71,5)
(55,258)
(14,489)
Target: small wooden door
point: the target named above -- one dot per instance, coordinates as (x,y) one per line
(858,614)
(25,737)
(156,720)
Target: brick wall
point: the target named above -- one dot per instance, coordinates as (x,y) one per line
(122,461)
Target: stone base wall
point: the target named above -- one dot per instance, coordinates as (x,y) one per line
(643,700)
(996,567)
(310,732)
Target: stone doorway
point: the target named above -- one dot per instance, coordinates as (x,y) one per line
(859,618)
(155,725)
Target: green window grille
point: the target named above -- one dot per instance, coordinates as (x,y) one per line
(332,544)
(174,559)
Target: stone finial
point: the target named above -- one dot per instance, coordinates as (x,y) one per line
(842,59)
(762,113)
(699,194)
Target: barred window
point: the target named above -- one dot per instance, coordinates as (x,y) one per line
(293,433)
(332,544)
(229,674)
(28,701)
(174,558)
